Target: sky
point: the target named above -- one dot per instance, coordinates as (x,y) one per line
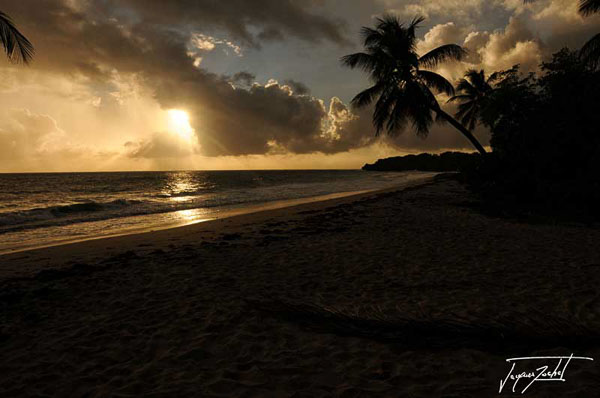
(238,84)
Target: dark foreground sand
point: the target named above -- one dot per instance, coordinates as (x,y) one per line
(182,312)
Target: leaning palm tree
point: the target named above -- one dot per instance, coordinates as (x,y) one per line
(402,88)
(16,46)
(474,91)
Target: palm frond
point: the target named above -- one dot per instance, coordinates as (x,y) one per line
(367,96)
(437,82)
(590,52)
(465,86)
(421,104)
(472,74)
(469,120)
(461,97)
(589,7)
(16,46)
(371,37)
(463,109)
(414,25)
(448,52)
(494,77)
(382,109)
(478,80)
(362,61)
(389,22)
(399,115)
(475,77)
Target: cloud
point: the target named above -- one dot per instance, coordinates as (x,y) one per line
(246,21)
(473,43)
(348,129)
(244,78)
(104,48)
(441,34)
(298,88)
(259,120)
(492,51)
(32,141)
(23,134)
(515,45)
(200,42)
(501,33)
(458,9)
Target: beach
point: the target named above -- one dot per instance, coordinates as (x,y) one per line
(242,306)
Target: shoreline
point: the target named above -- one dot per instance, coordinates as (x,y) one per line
(60,252)
(230,212)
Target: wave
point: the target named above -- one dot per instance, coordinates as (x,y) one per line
(179,194)
(126,200)
(36,215)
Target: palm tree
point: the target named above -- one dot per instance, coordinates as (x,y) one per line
(590,52)
(401,86)
(16,46)
(475,90)
(588,7)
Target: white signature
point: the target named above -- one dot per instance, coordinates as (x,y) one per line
(543,373)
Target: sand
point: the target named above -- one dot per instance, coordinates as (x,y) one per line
(178,312)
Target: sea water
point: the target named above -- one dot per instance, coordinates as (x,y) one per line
(41,209)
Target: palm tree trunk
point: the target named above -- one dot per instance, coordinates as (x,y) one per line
(461,128)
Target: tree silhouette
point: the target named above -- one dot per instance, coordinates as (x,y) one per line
(401,86)
(475,90)
(588,7)
(590,52)
(16,46)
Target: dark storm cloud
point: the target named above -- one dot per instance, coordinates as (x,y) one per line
(246,78)
(228,120)
(248,21)
(298,88)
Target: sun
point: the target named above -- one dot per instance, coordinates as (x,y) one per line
(179,123)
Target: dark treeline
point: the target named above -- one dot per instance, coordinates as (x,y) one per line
(545,139)
(544,127)
(447,161)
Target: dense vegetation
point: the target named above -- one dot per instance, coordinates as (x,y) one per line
(447,161)
(545,127)
(545,139)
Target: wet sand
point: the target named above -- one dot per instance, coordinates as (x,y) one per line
(178,312)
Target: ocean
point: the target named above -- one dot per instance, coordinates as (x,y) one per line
(43,209)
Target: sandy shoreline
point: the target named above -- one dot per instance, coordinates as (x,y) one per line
(167,313)
(96,221)
(30,261)
(252,208)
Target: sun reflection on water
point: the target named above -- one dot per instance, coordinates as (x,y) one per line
(180,187)
(187,188)
(192,216)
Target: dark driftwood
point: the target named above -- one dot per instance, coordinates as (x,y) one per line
(521,331)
